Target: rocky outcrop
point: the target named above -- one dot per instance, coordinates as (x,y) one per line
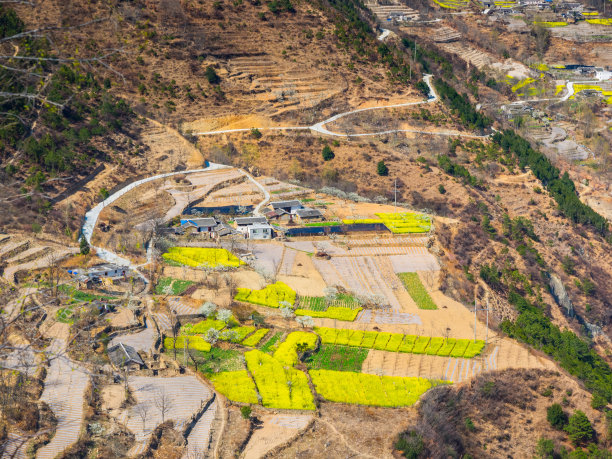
(557,289)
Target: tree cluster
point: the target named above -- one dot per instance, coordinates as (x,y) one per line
(561,187)
(462,106)
(572,353)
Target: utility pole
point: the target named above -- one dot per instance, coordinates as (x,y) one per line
(475,319)
(395,194)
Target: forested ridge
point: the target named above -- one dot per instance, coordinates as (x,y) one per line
(561,187)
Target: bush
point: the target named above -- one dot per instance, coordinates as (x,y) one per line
(441,189)
(410,444)
(245,411)
(84,246)
(328,153)
(545,449)
(579,428)
(296,342)
(556,416)
(469,425)
(382,169)
(212,76)
(256,133)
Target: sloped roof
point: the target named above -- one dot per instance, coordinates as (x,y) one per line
(250,220)
(308,213)
(200,222)
(293,203)
(121,354)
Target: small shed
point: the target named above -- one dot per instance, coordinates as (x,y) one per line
(200,225)
(306,214)
(223,229)
(121,355)
(288,206)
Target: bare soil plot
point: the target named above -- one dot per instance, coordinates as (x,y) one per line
(500,354)
(414,262)
(64,389)
(202,184)
(267,257)
(350,431)
(276,430)
(200,438)
(181,396)
(367,275)
(165,142)
(583,32)
(49,257)
(141,341)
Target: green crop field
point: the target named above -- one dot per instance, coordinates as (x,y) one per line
(177,286)
(271,344)
(417,291)
(338,358)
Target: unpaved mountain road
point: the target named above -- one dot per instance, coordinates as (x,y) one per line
(321,129)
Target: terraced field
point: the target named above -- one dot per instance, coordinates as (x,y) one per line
(183,394)
(280,86)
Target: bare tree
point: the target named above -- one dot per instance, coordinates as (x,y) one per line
(53,266)
(142,411)
(163,403)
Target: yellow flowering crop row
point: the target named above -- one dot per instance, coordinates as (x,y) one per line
(366,389)
(236,385)
(255,338)
(198,256)
(195,342)
(332,312)
(397,342)
(270,296)
(287,350)
(279,386)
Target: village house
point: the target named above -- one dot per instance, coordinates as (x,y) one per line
(309,215)
(289,207)
(121,355)
(259,231)
(200,225)
(101,271)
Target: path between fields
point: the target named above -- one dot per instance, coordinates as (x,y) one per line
(321,129)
